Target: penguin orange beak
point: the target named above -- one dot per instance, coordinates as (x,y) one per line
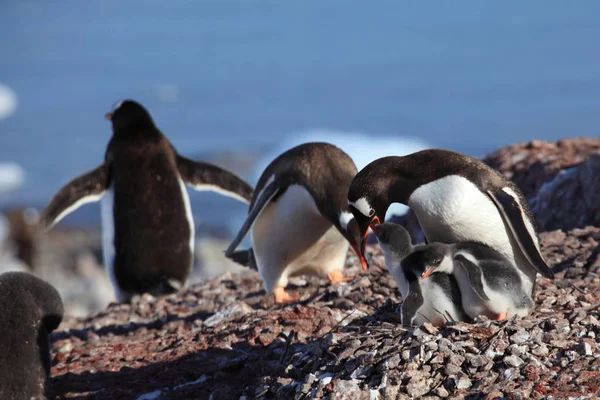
(428,272)
(108,116)
(361,256)
(374,222)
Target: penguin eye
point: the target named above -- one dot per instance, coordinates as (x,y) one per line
(371,212)
(436,261)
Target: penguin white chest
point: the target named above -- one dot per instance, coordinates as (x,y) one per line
(453,209)
(291,237)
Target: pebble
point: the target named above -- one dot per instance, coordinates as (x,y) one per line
(513,361)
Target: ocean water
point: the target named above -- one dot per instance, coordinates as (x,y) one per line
(246,79)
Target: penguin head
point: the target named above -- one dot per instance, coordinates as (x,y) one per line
(428,259)
(348,226)
(393,238)
(368,197)
(129,114)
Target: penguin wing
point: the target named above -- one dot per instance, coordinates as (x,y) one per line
(513,215)
(267,194)
(244,257)
(475,275)
(204,176)
(84,189)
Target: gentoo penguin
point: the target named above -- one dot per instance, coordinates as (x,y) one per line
(148,229)
(437,300)
(31,309)
(456,198)
(298,218)
(489,283)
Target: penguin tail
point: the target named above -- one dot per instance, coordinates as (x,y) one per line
(244,257)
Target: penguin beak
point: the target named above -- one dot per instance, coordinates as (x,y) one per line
(108,116)
(374,222)
(428,272)
(361,256)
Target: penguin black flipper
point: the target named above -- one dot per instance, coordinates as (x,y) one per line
(268,193)
(475,275)
(245,258)
(204,176)
(509,209)
(84,189)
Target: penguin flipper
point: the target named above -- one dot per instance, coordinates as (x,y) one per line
(204,176)
(512,214)
(84,189)
(244,257)
(475,275)
(268,193)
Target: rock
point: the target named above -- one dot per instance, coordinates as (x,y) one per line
(513,361)
(348,390)
(463,383)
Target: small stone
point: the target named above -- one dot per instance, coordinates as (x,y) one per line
(457,359)
(513,361)
(463,383)
(495,395)
(67,348)
(452,369)
(417,388)
(477,361)
(346,390)
(520,337)
(585,349)
(442,392)
(541,350)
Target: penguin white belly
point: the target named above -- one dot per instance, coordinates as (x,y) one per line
(291,237)
(436,305)
(108,240)
(453,209)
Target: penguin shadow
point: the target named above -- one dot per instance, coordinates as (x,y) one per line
(125,329)
(217,372)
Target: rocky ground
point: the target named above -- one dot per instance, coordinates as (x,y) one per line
(224,339)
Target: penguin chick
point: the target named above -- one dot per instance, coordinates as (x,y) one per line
(436,301)
(31,309)
(489,283)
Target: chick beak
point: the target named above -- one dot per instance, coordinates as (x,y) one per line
(108,116)
(428,272)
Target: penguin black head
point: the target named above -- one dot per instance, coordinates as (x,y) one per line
(129,114)
(348,226)
(393,237)
(368,195)
(427,259)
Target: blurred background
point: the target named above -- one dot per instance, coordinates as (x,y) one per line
(238,82)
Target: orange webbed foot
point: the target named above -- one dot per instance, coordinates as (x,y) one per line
(283,297)
(337,276)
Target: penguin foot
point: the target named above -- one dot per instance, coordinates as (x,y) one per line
(501,316)
(283,297)
(337,276)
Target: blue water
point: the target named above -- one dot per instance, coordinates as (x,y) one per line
(244,75)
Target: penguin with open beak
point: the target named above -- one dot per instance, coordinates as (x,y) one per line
(456,198)
(437,299)
(299,219)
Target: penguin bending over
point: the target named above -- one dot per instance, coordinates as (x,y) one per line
(437,300)
(31,309)
(456,198)
(148,228)
(299,219)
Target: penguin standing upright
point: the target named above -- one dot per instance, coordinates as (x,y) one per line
(148,229)
(299,219)
(31,309)
(456,198)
